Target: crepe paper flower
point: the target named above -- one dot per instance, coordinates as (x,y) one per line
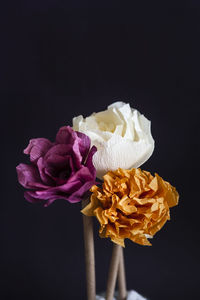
(122,137)
(131,204)
(59,170)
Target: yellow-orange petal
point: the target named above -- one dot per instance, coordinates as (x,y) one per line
(131,204)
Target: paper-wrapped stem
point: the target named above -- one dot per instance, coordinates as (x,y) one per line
(113,270)
(89,254)
(122,277)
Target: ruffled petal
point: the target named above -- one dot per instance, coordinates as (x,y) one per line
(45,178)
(37,148)
(66,135)
(60,170)
(131,204)
(84,144)
(28,177)
(89,162)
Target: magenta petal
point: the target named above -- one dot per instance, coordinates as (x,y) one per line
(84,144)
(74,195)
(79,194)
(55,160)
(66,135)
(30,198)
(76,184)
(43,175)
(59,149)
(28,177)
(58,192)
(63,150)
(76,154)
(84,174)
(60,170)
(36,196)
(89,162)
(37,148)
(50,201)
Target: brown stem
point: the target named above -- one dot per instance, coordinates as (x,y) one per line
(89,254)
(122,277)
(112,274)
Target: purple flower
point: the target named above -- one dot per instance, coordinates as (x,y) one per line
(59,170)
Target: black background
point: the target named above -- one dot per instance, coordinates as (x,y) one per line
(60,59)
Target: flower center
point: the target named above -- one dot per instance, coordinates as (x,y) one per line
(65,173)
(107,126)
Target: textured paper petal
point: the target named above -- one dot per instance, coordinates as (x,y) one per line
(66,135)
(122,137)
(60,170)
(28,176)
(84,145)
(118,152)
(37,148)
(131,204)
(89,162)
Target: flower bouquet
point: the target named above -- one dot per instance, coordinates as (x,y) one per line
(96,162)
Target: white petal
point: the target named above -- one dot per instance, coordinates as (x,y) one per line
(116,104)
(76,122)
(120,153)
(122,137)
(126,114)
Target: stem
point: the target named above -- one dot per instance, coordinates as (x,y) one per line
(89,254)
(122,277)
(112,275)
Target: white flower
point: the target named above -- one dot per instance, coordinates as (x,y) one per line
(122,137)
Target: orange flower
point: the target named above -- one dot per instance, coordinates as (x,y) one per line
(131,204)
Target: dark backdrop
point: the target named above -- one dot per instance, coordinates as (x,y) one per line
(60,59)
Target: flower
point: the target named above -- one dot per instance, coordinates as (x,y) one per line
(62,169)
(131,204)
(122,137)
